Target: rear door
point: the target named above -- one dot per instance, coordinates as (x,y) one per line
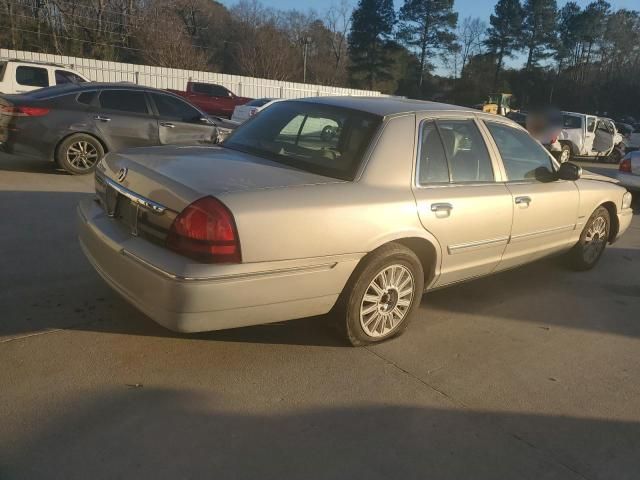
(179,122)
(545,210)
(124,119)
(460,198)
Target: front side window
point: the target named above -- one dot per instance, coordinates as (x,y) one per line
(453,150)
(523,158)
(64,76)
(124,101)
(175,109)
(32,76)
(317,138)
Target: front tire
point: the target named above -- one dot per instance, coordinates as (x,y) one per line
(593,240)
(381,296)
(565,153)
(79,154)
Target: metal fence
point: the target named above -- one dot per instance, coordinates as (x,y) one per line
(160,77)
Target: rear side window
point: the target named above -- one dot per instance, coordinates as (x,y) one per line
(86,98)
(210,89)
(591,125)
(124,101)
(571,121)
(175,109)
(32,76)
(432,166)
(453,150)
(522,156)
(63,76)
(3,67)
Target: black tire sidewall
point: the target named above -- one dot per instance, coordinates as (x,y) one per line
(61,151)
(378,261)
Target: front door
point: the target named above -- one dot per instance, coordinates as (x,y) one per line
(124,119)
(545,210)
(459,200)
(181,123)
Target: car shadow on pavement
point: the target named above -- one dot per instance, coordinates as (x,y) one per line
(15,163)
(47,284)
(154,433)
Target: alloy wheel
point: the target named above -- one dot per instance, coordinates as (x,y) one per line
(82,155)
(386,300)
(595,239)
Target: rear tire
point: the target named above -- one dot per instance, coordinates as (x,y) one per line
(79,153)
(593,240)
(381,296)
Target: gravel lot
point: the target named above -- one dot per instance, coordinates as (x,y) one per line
(532,373)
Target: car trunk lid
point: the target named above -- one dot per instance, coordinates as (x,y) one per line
(175,176)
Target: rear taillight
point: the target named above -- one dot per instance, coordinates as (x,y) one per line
(625,165)
(253,111)
(206,231)
(23,111)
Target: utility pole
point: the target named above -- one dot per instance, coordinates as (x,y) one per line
(306,43)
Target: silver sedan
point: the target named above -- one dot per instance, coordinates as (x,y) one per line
(354,206)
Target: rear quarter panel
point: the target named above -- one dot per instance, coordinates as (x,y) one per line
(336,218)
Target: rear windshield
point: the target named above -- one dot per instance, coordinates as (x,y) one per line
(316,138)
(258,102)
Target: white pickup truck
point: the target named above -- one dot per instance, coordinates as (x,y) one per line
(18,76)
(590,136)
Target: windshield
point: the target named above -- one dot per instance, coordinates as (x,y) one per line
(317,138)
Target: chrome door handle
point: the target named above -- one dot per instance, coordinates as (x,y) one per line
(100,118)
(523,200)
(167,125)
(439,207)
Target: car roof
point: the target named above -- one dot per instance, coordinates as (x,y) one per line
(68,88)
(385,106)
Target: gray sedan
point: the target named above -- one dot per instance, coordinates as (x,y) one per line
(75,125)
(354,206)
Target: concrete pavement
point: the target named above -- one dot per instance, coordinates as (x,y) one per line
(529,374)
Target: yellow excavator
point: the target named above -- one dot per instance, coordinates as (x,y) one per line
(498,104)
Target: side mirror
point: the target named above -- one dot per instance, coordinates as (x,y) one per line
(205,120)
(569,171)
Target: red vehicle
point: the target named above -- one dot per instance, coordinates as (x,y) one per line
(212,99)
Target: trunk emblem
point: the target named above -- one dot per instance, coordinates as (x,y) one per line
(122,174)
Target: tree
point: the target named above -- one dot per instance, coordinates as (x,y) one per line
(539,30)
(372,23)
(470,38)
(503,36)
(427,26)
(338,22)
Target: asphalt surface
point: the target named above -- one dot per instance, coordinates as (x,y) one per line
(532,374)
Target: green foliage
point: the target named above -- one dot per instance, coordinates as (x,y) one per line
(539,30)
(427,26)
(372,23)
(504,33)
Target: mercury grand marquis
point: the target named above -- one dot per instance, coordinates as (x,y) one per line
(349,205)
